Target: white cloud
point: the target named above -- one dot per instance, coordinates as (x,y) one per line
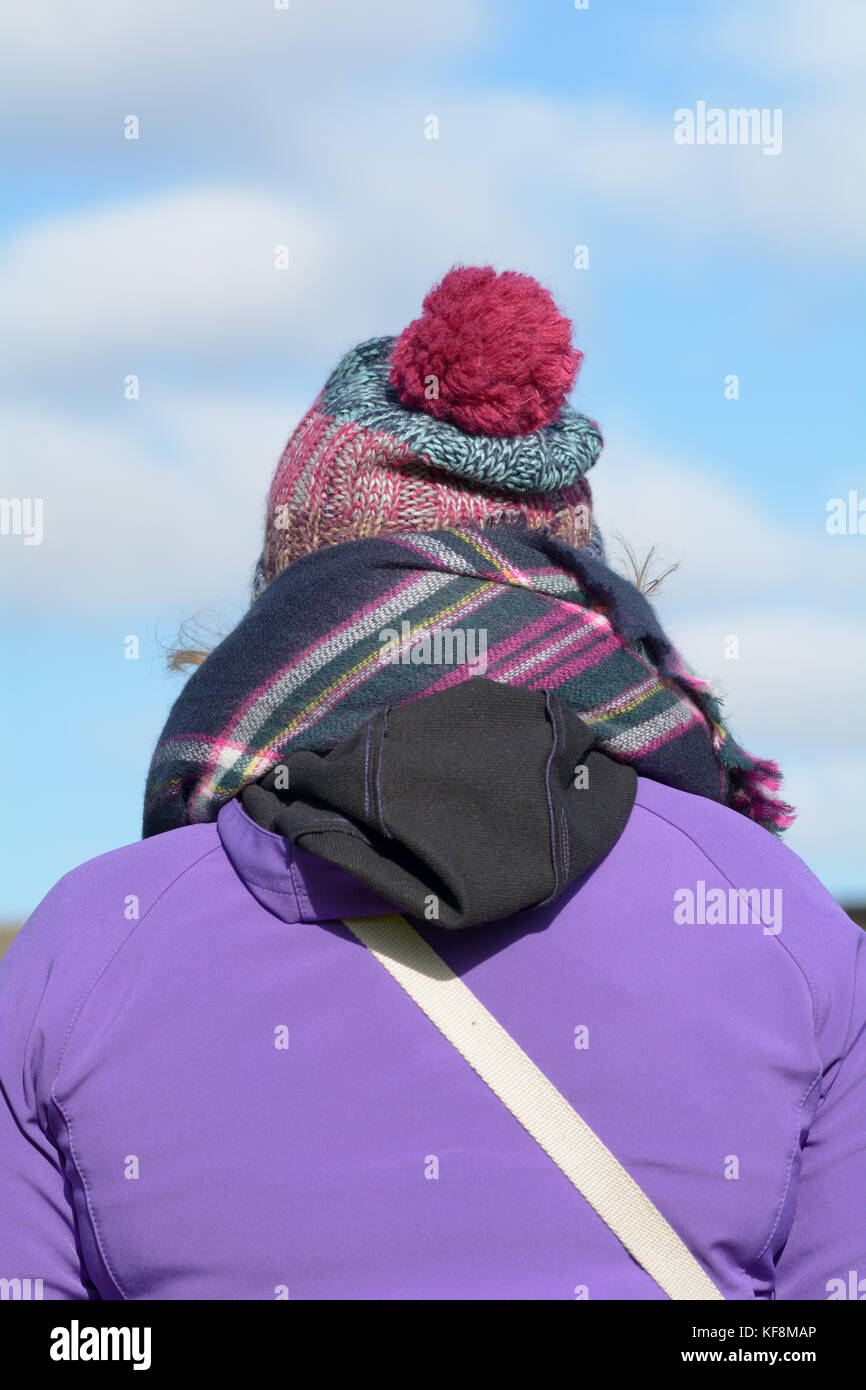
(191,272)
(547,162)
(799,675)
(79,57)
(727,546)
(790,597)
(175,521)
(793,37)
(826,786)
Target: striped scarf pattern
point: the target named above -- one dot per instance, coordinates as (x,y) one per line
(345,631)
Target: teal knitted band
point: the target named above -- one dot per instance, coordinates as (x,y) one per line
(547,460)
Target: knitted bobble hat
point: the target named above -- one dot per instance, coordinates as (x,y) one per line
(462,418)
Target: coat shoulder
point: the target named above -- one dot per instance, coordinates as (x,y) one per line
(814,931)
(87,917)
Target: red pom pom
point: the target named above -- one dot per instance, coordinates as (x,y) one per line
(491,353)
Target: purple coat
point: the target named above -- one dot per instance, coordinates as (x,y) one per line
(211,1090)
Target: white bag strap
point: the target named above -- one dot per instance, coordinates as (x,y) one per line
(536,1103)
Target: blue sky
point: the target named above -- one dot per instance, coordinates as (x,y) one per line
(305,127)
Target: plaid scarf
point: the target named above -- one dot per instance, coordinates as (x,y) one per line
(348,630)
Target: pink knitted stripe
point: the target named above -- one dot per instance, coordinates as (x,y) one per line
(592,645)
(513,651)
(291,484)
(600,646)
(497,654)
(343,482)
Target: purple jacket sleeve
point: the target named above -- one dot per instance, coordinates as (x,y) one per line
(39,1251)
(823,1256)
